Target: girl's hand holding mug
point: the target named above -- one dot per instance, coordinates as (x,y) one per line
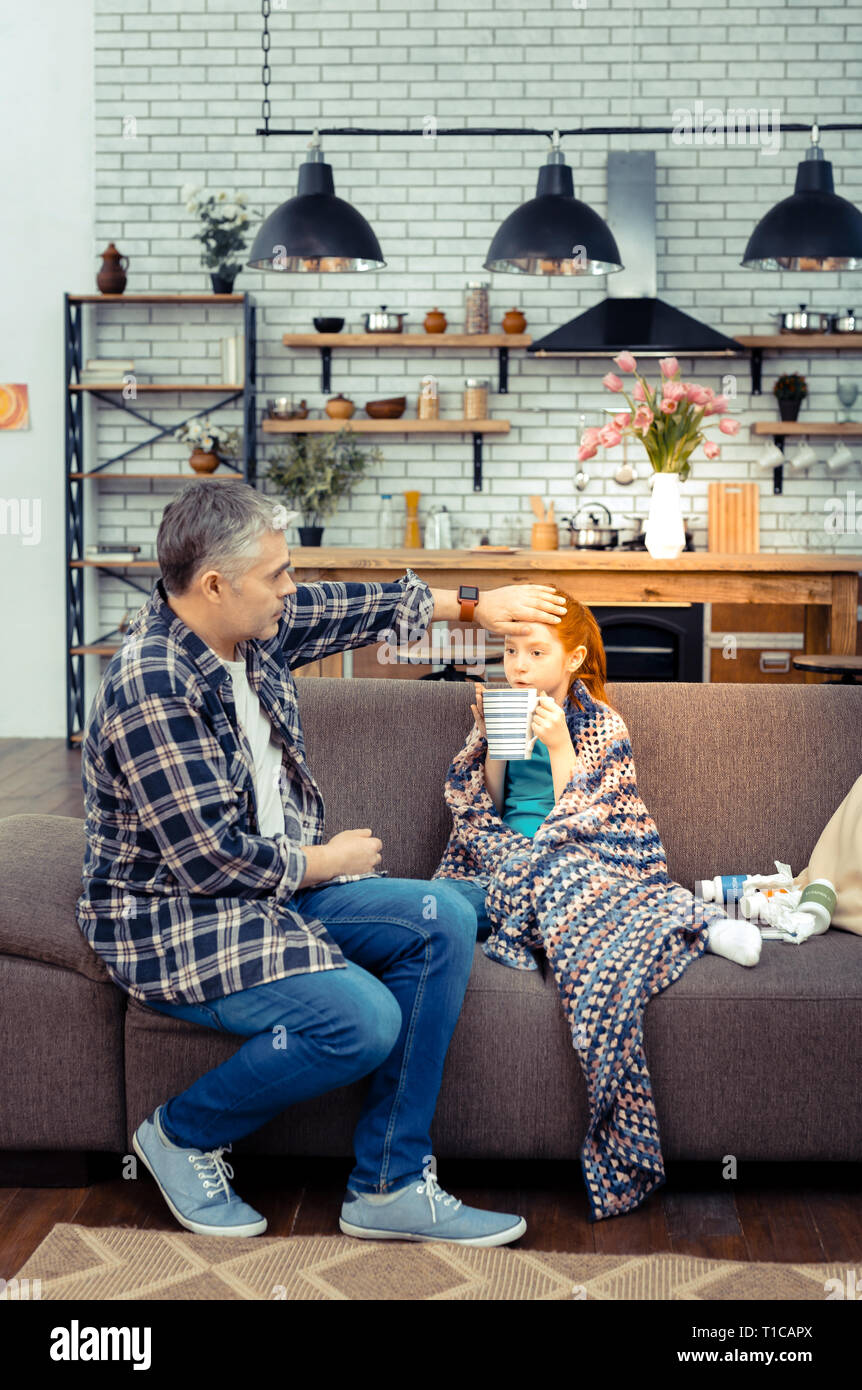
(549,724)
(479,712)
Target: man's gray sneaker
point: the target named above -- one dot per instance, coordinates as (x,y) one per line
(194,1183)
(425,1211)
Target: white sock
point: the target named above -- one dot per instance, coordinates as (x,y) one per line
(738,941)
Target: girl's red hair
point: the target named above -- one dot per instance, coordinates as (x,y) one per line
(578,628)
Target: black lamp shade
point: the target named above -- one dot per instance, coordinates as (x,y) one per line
(315,231)
(813,229)
(542,236)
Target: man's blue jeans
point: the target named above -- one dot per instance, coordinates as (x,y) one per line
(391,1011)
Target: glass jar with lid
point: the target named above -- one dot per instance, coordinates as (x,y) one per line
(476,398)
(476,316)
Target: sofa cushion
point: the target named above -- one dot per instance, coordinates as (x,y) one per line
(42,858)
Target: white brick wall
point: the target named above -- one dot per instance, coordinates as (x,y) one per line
(189,72)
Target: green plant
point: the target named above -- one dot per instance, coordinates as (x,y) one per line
(223,227)
(790,387)
(314,471)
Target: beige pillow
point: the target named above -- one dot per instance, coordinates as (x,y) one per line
(838,857)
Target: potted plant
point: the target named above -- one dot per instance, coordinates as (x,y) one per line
(211,444)
(314,471)
(222,233)
(790,390)
(670,427)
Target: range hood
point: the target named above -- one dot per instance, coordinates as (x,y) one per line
(632,316)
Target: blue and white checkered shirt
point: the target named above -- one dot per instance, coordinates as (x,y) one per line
(183,898)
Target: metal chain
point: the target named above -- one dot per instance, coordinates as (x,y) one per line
(265,71)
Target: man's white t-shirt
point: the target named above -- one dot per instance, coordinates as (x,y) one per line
(265,747)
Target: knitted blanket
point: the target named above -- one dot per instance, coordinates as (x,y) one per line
(591,889)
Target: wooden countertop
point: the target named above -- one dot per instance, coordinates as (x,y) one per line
(325,557)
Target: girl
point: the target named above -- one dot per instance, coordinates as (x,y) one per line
(552,660)
(559,853)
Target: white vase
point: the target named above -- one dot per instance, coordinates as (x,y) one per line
(665,533)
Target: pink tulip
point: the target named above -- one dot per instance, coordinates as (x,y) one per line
(667,407)
(699,395)
(609,437)
(711,450)
(728,426)
(626,362)
(643,418)
(673,390)
(589,436)
(623,420)
(720,404)
(585,452)
(612,382)
(669,366)
(638,391)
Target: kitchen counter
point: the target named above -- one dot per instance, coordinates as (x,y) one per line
(827,585)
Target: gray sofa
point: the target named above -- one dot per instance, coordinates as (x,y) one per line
(759,1062)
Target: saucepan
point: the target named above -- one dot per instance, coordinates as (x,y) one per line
(382,320)
(801,320)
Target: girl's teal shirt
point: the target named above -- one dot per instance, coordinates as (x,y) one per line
(528,791)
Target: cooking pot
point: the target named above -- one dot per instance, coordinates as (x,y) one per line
(383,321)
(801,320)
(593,536)
(846,323)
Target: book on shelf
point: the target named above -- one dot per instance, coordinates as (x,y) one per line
(233,360)
(109,364)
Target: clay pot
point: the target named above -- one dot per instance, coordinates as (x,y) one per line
(204,462)
(339,407)
(514,321)
(435,321)
(111,279)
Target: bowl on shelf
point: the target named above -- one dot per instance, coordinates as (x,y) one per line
(325,325)
(284,408)
(390,409)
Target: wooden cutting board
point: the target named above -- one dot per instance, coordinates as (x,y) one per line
(734,519)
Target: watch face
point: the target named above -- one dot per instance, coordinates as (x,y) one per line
(468,591)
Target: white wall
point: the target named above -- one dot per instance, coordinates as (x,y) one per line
(46,248)
(188,72)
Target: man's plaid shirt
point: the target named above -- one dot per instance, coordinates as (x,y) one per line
(182,897)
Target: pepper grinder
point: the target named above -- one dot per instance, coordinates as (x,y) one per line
(412,538)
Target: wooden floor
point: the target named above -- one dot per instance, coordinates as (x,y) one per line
(807,1213)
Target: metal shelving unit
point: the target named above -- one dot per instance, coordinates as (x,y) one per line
(77,476)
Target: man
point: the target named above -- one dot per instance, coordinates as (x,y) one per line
(211,896)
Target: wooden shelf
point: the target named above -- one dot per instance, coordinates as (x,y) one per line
(156,298)
(408,340)
(850,429)
(156,386)
(409,425)
(325,342)
(821,341)
(170,477)
(114,564)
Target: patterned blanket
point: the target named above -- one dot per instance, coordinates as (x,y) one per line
(591,889)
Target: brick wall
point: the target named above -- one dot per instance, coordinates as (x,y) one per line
(178,92)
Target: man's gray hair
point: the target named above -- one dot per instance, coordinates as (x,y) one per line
(211,525)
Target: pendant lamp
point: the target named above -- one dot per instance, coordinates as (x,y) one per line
(813,229)
(554,233)
(315,231)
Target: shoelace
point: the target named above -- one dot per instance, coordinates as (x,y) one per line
(213,1170)
(435,1193)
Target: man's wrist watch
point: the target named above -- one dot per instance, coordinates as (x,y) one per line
(468,597)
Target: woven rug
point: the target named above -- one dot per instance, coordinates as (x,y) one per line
(114,1262)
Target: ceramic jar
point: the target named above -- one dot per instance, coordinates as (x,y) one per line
(339,407)
(435,321)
